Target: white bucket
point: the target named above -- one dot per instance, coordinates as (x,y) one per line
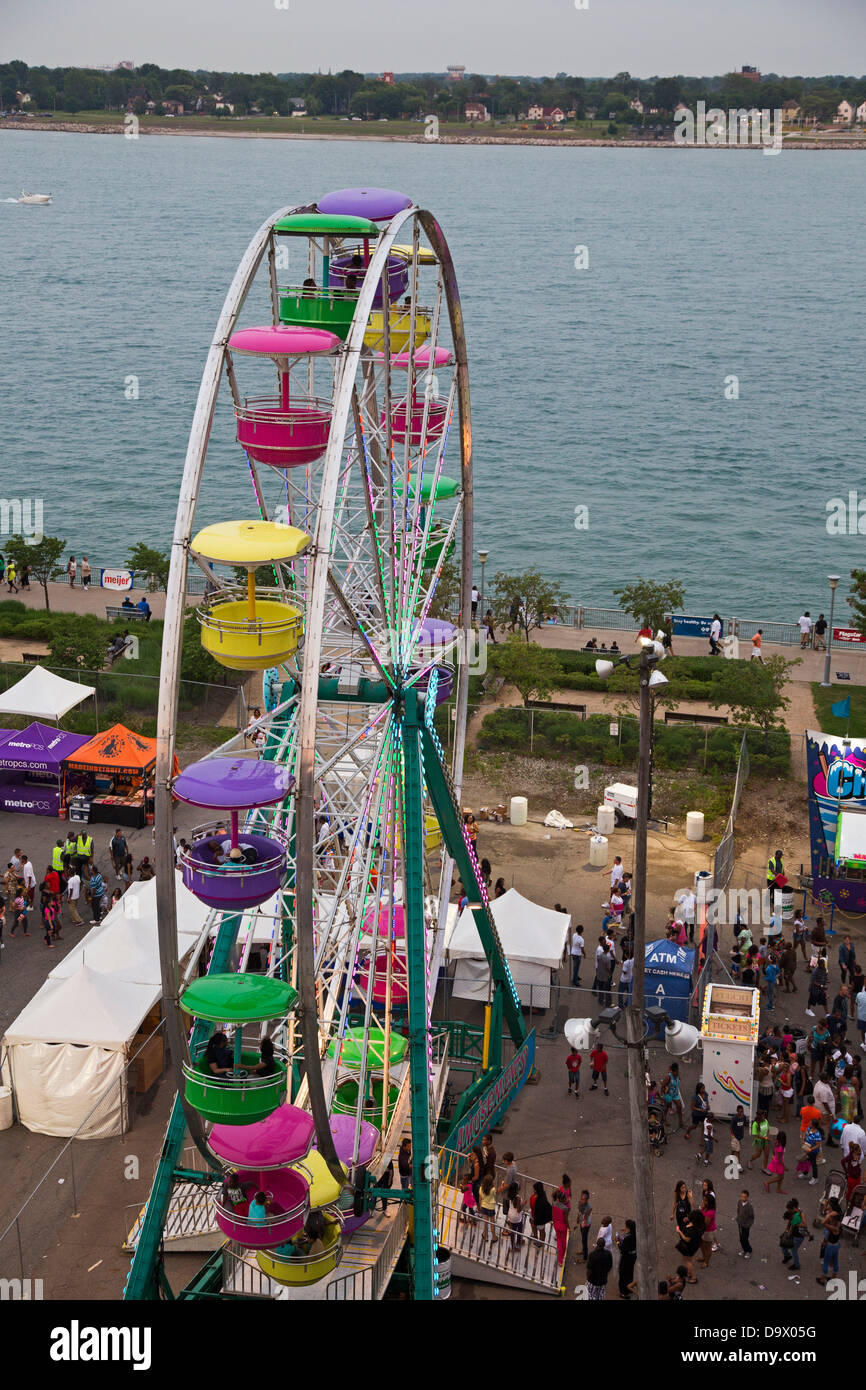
(442,1270)
(694,825)
(519,813)
(6,1107)
(783,903)
(598,850)
(605,820)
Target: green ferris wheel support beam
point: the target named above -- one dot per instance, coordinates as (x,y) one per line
(420,1059)
(448,815)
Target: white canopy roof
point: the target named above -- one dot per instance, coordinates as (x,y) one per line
(87,1008)
(527,932)
(125,945)
(42,695)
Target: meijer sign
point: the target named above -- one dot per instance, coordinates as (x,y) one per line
(117,579)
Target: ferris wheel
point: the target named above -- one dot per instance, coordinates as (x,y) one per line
(350,404)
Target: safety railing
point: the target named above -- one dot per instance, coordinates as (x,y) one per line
(494,1245)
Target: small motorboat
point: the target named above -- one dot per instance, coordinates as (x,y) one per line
(34,197)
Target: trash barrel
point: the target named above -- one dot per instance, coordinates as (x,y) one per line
(442,1271)
(519,810)
(598,850)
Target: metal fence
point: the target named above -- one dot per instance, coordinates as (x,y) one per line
(135,691)
(195,579)
(723,860)
(55,1197)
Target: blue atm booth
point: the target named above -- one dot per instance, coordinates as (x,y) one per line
(669,970)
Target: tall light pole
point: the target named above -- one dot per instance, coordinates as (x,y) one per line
(644,1209)
(482,555)
(832,580)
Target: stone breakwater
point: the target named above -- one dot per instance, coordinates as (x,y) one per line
(553,141)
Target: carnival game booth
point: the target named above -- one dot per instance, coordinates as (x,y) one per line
(110,778)
(837,793)
(31,767)
(533,941)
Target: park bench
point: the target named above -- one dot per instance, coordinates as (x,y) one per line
(557,705)
(133,614)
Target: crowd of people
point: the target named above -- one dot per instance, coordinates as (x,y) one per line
(72,883)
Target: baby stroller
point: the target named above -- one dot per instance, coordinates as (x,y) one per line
(834,1186)
(656,1127)
(852,1221)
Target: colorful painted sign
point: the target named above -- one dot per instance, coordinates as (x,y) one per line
(732,1087)
(492,1105)
(837,781)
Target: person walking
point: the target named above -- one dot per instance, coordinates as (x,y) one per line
(738,1133)
(572,1062)
(85,573)
(708,1211)
(540,1212)
(404,1164)
(489,626)
(70,571)
(584,1218)
(832,1224)
(118,849)
(847,959)
(476,1160)
(776,1166)
(598,1061)
(715,635)
(514,1219)
(578,946)
(598,1268)
(794,1233)
(745,1218)
(11,577)
(699,1106)
(626,975)
(561,1205)
(487,1208)
(627,1242)
(690,1236)
(671,1094)
(757,643)
(604,964)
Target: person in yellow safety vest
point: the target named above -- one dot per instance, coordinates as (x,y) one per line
(775,868)
(57,858)
(83,849)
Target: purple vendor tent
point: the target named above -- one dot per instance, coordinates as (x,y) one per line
(30,765)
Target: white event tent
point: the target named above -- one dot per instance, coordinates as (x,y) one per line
(533,939)
(43,696)
(72,1041)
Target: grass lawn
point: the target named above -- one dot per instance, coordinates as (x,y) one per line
(328,125)
(827,721)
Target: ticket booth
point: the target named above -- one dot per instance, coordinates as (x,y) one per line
(729,1036)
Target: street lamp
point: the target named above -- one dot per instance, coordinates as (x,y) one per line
(482,555)
(832,580)
(652,651)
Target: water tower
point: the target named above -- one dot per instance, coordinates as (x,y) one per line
(456,72)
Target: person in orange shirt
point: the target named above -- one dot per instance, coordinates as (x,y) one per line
(756,646)
(810,1114)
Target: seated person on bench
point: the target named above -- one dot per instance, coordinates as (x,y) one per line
(127,602)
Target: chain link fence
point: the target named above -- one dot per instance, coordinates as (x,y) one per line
(118,693)
(26,1235)
(723,861)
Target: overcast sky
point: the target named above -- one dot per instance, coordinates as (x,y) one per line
(644,37)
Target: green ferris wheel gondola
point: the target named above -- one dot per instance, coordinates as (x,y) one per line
(349,1051)
(238,998)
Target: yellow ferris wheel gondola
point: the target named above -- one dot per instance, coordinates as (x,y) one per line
(251,632)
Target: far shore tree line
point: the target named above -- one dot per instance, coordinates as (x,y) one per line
(409,95)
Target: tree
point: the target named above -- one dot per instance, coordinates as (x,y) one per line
(533,670)
(755,693)
(648,602)
(154,563)
(195,663)
(42,556)
(668,92)
(857,599)
(446,595)
(77,643)
(538,598)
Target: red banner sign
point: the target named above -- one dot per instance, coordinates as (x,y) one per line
(847,634)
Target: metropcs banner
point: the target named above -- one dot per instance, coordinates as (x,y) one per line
(492,1105)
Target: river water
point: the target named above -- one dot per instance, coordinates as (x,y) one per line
(609,387)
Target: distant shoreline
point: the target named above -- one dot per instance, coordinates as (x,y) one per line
(554,141)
